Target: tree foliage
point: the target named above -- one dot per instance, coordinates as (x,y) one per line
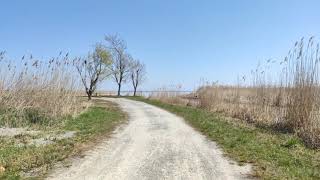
(94,68)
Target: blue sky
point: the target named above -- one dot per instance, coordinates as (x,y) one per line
(180,41)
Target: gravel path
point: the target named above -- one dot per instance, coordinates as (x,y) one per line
(155,144)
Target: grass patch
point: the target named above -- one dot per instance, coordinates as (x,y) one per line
(273,155)
(97,121)
(103,118)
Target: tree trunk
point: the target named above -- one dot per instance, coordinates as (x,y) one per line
(135,91)
(89,93)
(119,89)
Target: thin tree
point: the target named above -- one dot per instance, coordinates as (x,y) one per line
(121,59)
(138,73)
(2,53)
(94,68)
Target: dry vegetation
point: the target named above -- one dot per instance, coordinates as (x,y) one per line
(290,103)
(36,92)
(41,97)
(171,94)
(281,95)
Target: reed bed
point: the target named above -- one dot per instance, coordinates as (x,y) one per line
(285,100)
(169,94)
(279,95)
(36,92)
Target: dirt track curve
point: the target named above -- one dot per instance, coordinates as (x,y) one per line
(155,144)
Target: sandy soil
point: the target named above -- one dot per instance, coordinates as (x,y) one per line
(155,144)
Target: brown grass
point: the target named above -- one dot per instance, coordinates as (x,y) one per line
(34,91)
(171,95)
(287,100)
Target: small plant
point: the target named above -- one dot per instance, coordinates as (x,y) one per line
(33,116)
(292,142)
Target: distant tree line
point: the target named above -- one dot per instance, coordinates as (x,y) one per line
(110,60)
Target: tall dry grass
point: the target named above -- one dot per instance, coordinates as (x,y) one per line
(34,91)
(170,94)
(282,95)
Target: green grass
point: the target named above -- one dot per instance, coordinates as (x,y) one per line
(97,121)
(273,155)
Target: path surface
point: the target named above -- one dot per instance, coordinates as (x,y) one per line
(155,144)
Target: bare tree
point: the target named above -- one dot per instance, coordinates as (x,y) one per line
(121,59)
(94,68)
(138,73)
(2,54)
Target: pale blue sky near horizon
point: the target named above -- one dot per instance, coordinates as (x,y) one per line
(180,41)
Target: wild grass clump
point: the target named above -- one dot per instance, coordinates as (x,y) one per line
(302,78)
(284,96)
(34,91)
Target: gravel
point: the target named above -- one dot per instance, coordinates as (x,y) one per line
(155,144)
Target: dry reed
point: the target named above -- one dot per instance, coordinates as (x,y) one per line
(34,91)
(288,100)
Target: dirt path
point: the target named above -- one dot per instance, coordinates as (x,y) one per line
(155,144)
